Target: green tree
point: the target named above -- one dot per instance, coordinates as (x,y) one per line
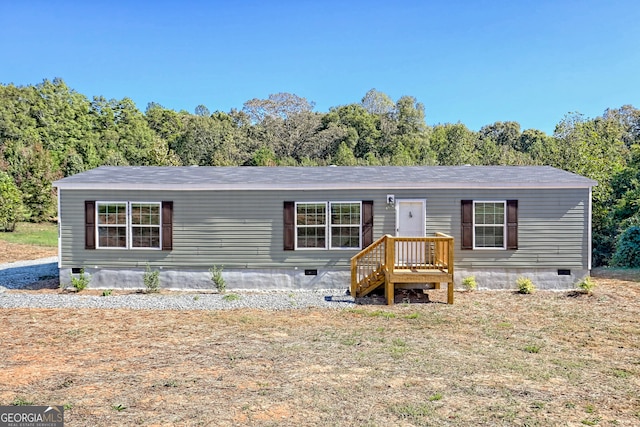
(166,123)
(344,156)
(210,141)
(378,103)
(454,144)
(362,134)
(503,134)
(11,210)
(627,252)
(278,105)
(33,172)
(594,148)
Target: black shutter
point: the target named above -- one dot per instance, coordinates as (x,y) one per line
(167,226)
(289,225)
(512,224)
(467,224)
(89,224)
(367,223)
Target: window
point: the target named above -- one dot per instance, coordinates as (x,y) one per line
(145,225)
(112,225)
(345,225)
(489,224)
(342,222)
(311,225)
(128,225)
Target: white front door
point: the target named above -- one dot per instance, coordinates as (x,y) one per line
(411,221)
(411,218)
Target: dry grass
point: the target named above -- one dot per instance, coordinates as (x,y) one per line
(493,358)
(10,252)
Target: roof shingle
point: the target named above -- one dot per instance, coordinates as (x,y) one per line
(329,177)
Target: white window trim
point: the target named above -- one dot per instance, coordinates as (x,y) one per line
(330,226)
(295,219)
(98,224)
(129,225)
(327,226)
(504,226)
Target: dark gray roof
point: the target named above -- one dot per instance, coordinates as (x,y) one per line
(329,177)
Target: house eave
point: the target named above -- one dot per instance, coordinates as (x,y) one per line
(325,186)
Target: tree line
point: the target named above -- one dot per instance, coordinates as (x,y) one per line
(48,131)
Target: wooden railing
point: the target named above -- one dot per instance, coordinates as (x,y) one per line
(390,260)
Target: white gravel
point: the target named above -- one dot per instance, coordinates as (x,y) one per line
(18,275)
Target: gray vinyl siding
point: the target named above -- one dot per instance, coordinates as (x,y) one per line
(244,229)
(552,228)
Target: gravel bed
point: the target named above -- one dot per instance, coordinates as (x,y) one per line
(21,274)
(181,301)
(16,275)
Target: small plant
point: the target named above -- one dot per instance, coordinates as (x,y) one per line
(525,285)
(231,297)
(151,280)
(383,314)
(587,285)
(218,280)
(537,405)
(106,292)
(20,401)
(411,411)
(470,283)
(532,348)
(435,397)
(119,407)
(620,373)
(82,281)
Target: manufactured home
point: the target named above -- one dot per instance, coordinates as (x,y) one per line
(353,228)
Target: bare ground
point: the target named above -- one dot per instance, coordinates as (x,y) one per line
(493,358)
(11,252)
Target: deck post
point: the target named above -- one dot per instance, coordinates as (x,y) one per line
(354,277)
(450,270)
(390,261)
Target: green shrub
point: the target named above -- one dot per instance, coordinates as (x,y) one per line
(525,285)
(587,285)
(627,252)
(470,283)
(82,281)
(151,280)
(218,280)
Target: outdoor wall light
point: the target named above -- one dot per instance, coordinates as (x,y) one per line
(391,200)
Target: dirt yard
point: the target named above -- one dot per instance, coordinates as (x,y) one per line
(10,252)
(492,358)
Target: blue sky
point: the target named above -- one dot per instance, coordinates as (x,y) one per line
(476,62)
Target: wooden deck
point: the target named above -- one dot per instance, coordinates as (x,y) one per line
(404,262)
